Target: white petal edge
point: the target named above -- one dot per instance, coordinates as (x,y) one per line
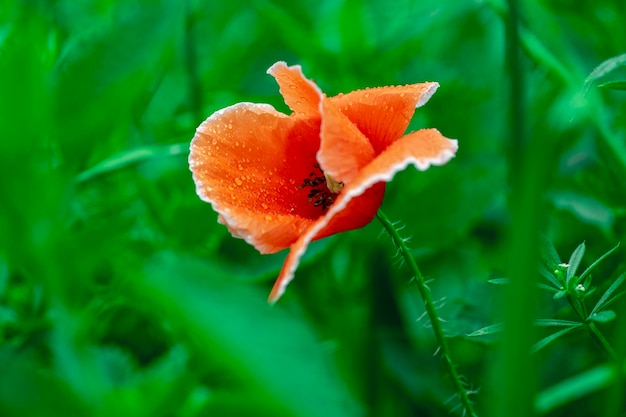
(426,95)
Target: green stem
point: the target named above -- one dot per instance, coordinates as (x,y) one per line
(601,341)
(594,332)
(431,311)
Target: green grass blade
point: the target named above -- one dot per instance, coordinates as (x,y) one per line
(547,274)
(574,388)
(605,68)
(556,322)
(549,339)
(499,281)
(604,300)
(491,329)
(594,264)
(132,157)
(614,85)
(574,262)
(548,253)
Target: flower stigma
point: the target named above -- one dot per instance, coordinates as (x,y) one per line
(334,186)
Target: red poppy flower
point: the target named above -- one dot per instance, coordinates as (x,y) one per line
(281,181)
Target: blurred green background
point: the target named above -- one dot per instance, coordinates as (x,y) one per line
(120,294)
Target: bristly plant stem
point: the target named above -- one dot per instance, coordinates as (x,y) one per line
(431,311)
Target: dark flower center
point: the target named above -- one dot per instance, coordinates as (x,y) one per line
(319,194)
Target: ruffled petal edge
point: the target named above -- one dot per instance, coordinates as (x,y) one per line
(422,149)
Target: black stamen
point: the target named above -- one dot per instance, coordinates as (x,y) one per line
(319,195)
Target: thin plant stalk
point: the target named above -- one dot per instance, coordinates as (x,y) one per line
(431,311)
(592,329)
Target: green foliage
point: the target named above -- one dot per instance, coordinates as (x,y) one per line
(120,293)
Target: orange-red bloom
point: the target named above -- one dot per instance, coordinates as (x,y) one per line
(281,181)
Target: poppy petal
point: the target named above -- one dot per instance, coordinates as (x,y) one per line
(422,149)
(247,161)
(348,213)
(300,94)
(344,150)
(383,114)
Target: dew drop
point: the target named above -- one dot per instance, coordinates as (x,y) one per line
(268,217)
(238,181)
(240,167)
(264,206)
(214,141)
(236,144)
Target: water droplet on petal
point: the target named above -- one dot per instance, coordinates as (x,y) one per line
(240,167)
(264,206)
(238,181)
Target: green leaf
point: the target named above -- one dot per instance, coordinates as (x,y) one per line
(132,157)
(605,68)
(54,397)
(499,281)
(574,388)
(594,264)
(549,275)
(560,294)
(574,261)
(272,349)
(556,322)
(491,329)
(548,253)
(546,287)
(505,281)
(614,85)
(603,316)
(605,299)
(107,76)
(548,339)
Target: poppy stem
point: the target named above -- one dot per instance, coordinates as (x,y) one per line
(431,311)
